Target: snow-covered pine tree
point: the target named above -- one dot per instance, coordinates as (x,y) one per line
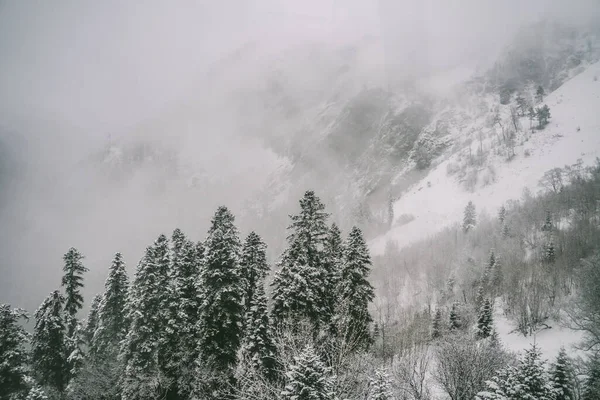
(470,217)
(91,323)
(539,94)
(532,376)
(380,386)
(479,297)
(355,291)
(334,260)
(112,323)
(178,240)
(591,386)
(185,305)
(521,105)
(48,344)
(221,314)
(548,225)
(308,378)
(503,386)
(562,377)
(253,266)
(72,281)
(497,276)
(505,231)
(147,313)
(454,319)
(258,348)
(488,270)
(36,393)
(502,214)
(549,255)
(436,325)
(13,354)
(298,285)
(484,322)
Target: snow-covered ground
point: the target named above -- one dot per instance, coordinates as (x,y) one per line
(574,105)
(549,340)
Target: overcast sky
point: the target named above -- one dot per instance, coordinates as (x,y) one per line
(73,73)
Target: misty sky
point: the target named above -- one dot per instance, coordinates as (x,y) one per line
(74,73)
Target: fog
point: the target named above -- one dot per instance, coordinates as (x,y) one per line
(78,79)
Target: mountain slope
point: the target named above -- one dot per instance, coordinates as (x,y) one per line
(573,133)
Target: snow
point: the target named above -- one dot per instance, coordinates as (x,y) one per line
(549,340)
(573,133)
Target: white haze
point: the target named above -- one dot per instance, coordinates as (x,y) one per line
(75,76)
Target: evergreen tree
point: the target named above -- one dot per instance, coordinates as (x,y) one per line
(532,376)
(485,322)
(380,386)
(497,276)
(13,354)
(355,291)
(562,377)
(36,393)
(253,266)
(258,347)
(543,115)
(505,231)
(455,322)
(521,105)
(502,214)
(470,217)
(591,387)
(72,281)
(48,344)
(549,256)
(308,378)
(112,323)
(479,297)
(300,281)
(334,259)
(185,305)
(221,313)
(548,225)
(147,313)
(436,327)
(539,94)
(92,320)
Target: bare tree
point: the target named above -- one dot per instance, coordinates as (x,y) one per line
(463,365)
(411,373)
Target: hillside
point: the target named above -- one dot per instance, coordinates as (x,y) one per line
(438,200)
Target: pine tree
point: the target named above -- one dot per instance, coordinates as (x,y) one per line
(72,281)
(497,275)
(488,270)
(112,323)
(479,297)
(436,326)
(355,291)
(380,386)
(532,376)
(36,393)
(562,377)
(48,344)
(147,313)
(334,259)
(91,323)
(549,256)
(485,322)
(13,354)
(470,217)
(543,115)
(258,347)
(539,94)
(548,225)
(300,281)
(521,105)
(502,214)
(185,309)
(221,316)
(591,387)
(253,266)
(505,231)
(455,322)
(308,378)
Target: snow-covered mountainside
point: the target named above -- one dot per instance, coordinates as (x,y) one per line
(438,200)
(328,119)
